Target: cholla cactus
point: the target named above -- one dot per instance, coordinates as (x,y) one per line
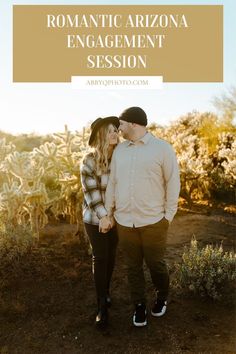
(223,173)
(25,200)
(193,156)
(22,166)
(46,155)
(61,160)
(11,201)
(227,152)
(69,155)
(5,148)
(33,174)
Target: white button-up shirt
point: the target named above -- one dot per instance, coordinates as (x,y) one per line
(144,182)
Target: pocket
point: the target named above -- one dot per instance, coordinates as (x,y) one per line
(163,224)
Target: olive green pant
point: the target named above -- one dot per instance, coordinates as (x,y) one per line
(145,243)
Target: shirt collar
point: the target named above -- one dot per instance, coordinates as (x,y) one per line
(144,140)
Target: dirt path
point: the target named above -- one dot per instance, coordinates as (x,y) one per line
(49,307)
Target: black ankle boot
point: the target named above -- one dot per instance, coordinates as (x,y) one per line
(102,315)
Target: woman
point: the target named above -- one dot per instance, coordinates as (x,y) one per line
(94,177)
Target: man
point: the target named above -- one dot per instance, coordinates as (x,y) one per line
(142,192)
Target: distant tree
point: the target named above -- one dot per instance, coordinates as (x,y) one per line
(226,104)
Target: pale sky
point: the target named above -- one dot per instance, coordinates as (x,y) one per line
(46,108)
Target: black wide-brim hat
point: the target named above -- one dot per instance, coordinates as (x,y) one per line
(96,125)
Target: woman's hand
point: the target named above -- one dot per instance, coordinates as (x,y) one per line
(105,224)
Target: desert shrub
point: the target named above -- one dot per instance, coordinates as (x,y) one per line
(208,271)
(16,242)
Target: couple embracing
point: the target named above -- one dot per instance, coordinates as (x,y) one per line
(131,192)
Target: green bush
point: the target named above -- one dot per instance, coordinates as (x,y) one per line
(16,241)
(208,271)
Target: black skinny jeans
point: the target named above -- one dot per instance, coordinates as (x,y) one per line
(103,257)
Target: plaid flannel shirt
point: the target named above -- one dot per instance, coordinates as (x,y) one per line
(94,188)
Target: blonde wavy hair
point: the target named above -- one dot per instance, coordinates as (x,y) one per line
(100,147)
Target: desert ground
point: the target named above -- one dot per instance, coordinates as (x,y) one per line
(47,304)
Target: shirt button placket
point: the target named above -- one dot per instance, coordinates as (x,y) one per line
(132,183)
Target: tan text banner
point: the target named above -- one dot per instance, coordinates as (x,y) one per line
(180,43)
